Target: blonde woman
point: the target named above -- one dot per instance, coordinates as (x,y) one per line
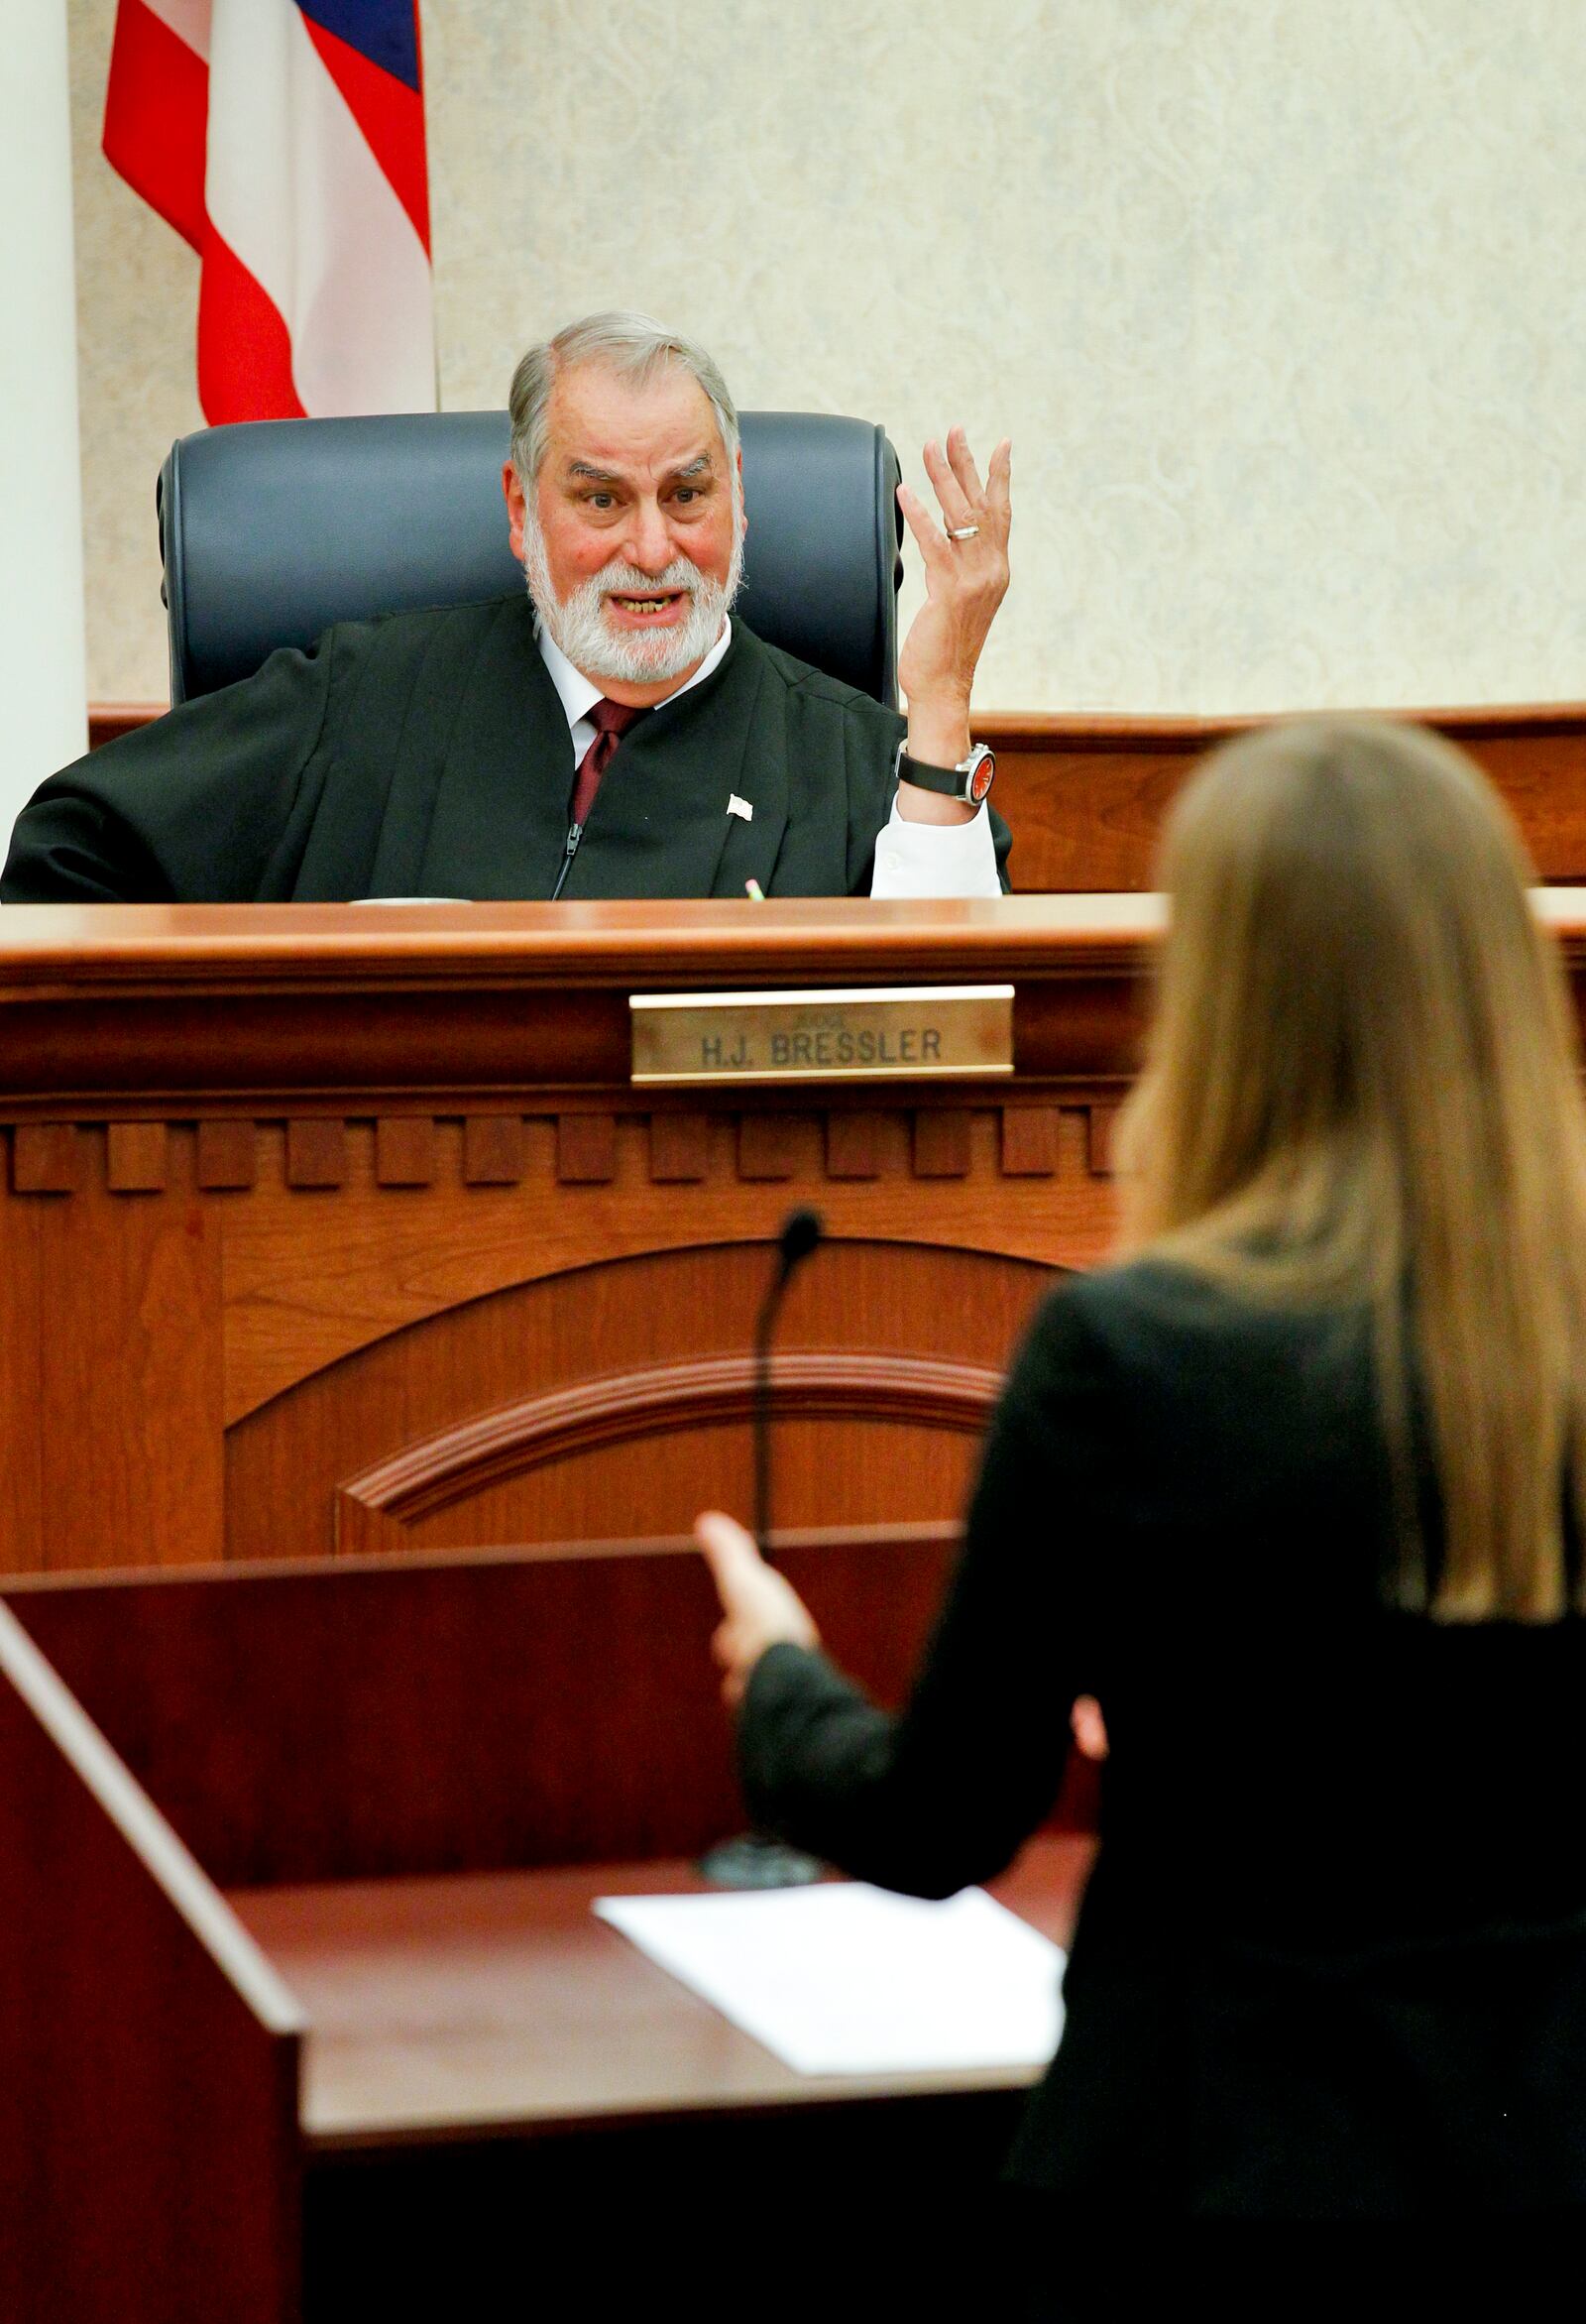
(1293,1488)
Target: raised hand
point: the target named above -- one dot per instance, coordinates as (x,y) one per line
(1089,1729)
(758,1607)
(965,580)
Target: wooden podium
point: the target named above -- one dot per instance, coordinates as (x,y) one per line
(329,1231)
(303,2004)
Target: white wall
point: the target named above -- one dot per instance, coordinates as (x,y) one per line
(41,668)
(1281,301)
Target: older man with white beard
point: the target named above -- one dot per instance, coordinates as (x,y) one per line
(614,732)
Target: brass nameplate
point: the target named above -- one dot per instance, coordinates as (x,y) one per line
(908,1032)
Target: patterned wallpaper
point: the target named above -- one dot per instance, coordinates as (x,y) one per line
(1282,304)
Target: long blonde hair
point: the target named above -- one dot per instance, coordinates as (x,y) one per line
(1362,1087)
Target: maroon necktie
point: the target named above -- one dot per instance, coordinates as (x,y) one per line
(610,721)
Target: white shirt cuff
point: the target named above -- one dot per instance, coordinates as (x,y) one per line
(935,858)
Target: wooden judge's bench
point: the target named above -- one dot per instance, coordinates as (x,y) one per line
(330,1230)
(369,1338)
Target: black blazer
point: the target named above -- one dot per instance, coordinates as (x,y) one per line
(1333,1959)
(427,753)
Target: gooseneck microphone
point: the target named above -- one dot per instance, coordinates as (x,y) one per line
(801,1231)
(754,1861)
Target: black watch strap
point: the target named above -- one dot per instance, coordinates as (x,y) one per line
(970,781)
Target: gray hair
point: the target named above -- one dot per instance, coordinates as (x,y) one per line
(630,344)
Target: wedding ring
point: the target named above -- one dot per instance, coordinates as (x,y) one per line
(963,531)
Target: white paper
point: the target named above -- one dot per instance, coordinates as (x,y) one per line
(845,1979)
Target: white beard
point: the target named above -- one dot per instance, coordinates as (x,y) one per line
(638,657)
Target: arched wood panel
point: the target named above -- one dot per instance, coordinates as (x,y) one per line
(616,1399)
(351,1231)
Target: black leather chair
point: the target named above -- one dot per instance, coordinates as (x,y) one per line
(273,530)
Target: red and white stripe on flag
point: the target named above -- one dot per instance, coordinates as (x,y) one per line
(285,139)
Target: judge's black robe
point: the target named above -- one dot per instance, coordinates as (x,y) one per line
(428,754)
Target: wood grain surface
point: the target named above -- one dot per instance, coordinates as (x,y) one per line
(567,1408)
(498,2004)
(1085,796)
(384,1717)
(148,2145)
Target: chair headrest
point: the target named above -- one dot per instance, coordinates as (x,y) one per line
(271,531)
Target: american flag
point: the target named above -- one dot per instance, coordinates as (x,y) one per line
(285,139)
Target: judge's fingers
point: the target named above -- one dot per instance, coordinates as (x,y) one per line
(958,508)
(929,537)
(961,461)
(999,484)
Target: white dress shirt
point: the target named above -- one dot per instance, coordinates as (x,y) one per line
(911,858)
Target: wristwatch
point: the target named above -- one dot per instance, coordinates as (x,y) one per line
(970,781)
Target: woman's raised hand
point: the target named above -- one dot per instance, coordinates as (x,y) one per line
(759,1608)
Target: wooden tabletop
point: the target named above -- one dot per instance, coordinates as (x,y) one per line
(443,2007)
(291,947)
(284,947)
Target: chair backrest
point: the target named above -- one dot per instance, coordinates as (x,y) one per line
(273,529)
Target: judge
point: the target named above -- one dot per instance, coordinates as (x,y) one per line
(613,732)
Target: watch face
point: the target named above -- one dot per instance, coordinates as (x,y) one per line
(981,778)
